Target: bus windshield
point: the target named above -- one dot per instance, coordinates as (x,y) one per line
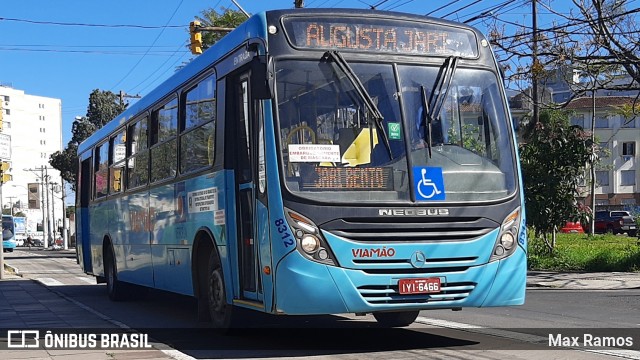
(333,151)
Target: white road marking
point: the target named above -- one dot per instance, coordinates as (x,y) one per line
(49,282)
(86,279)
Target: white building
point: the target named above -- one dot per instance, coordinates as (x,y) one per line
(617,175)
(34,124)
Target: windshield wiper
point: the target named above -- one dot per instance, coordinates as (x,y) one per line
(426,118)
(362,93)
(437,101)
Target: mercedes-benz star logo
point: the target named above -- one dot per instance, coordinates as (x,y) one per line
(418,259)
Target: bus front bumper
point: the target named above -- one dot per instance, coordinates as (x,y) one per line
(304,287)
(7,244)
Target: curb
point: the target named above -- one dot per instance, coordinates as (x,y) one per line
(12,270)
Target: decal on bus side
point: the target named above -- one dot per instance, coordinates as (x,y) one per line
(203,200)
(283,229)
(140,220)
(219,217)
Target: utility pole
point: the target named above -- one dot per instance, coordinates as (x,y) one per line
(43,180)
(11,203)
(44,209)
(49,241)
(299,4)
(124,95)
(53,211)
(535,65)
(65,235)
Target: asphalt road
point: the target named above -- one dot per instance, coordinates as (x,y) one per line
(492,333)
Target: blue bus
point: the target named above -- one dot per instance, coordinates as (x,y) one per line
(314,161)
(8,234)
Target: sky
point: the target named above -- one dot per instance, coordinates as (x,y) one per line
(65,49)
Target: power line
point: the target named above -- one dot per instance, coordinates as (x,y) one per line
(569,23)
(462,8)
(403,4)
(378,4)
(442,7)
(172,66)
(86,46)
(152,53)
(91,25)
(154,42)
(489,11)
(181,47)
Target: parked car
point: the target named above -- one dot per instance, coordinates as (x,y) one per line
(615,222)
(572,227)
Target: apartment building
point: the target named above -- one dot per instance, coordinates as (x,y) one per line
(617,173)
(34,125)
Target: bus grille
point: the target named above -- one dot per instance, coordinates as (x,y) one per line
(410,230)
(388,294)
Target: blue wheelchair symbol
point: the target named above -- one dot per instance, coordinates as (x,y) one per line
(429,183)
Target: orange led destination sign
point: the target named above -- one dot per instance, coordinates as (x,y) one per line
(386,36)
(333,178)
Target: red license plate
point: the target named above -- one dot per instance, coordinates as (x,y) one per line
(419,286)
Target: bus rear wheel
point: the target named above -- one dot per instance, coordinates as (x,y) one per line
(219,310)
(396,319)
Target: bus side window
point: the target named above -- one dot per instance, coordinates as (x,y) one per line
(138,155)
(118,153)
(197,141)
(164,128)
(101,170)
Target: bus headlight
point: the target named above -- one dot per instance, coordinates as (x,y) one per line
(309,243)
(506,242)
(309,240)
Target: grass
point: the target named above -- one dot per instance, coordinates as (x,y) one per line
(580,252)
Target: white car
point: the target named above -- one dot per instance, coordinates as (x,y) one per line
(20,240)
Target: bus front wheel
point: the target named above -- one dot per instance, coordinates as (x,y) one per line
(219,310)
(396,319)
(115,288)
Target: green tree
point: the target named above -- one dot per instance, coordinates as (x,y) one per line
(226,18)
(553,158)
(103,106)
(600,39)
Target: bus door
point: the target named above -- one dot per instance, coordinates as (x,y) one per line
(83,240)
(242,147)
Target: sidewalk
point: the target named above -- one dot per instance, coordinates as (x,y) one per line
(583,281)
(26,304)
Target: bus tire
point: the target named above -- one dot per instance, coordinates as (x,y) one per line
(396,319)
(115,288)
(219,310)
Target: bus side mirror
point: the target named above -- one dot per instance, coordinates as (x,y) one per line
(262,77)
